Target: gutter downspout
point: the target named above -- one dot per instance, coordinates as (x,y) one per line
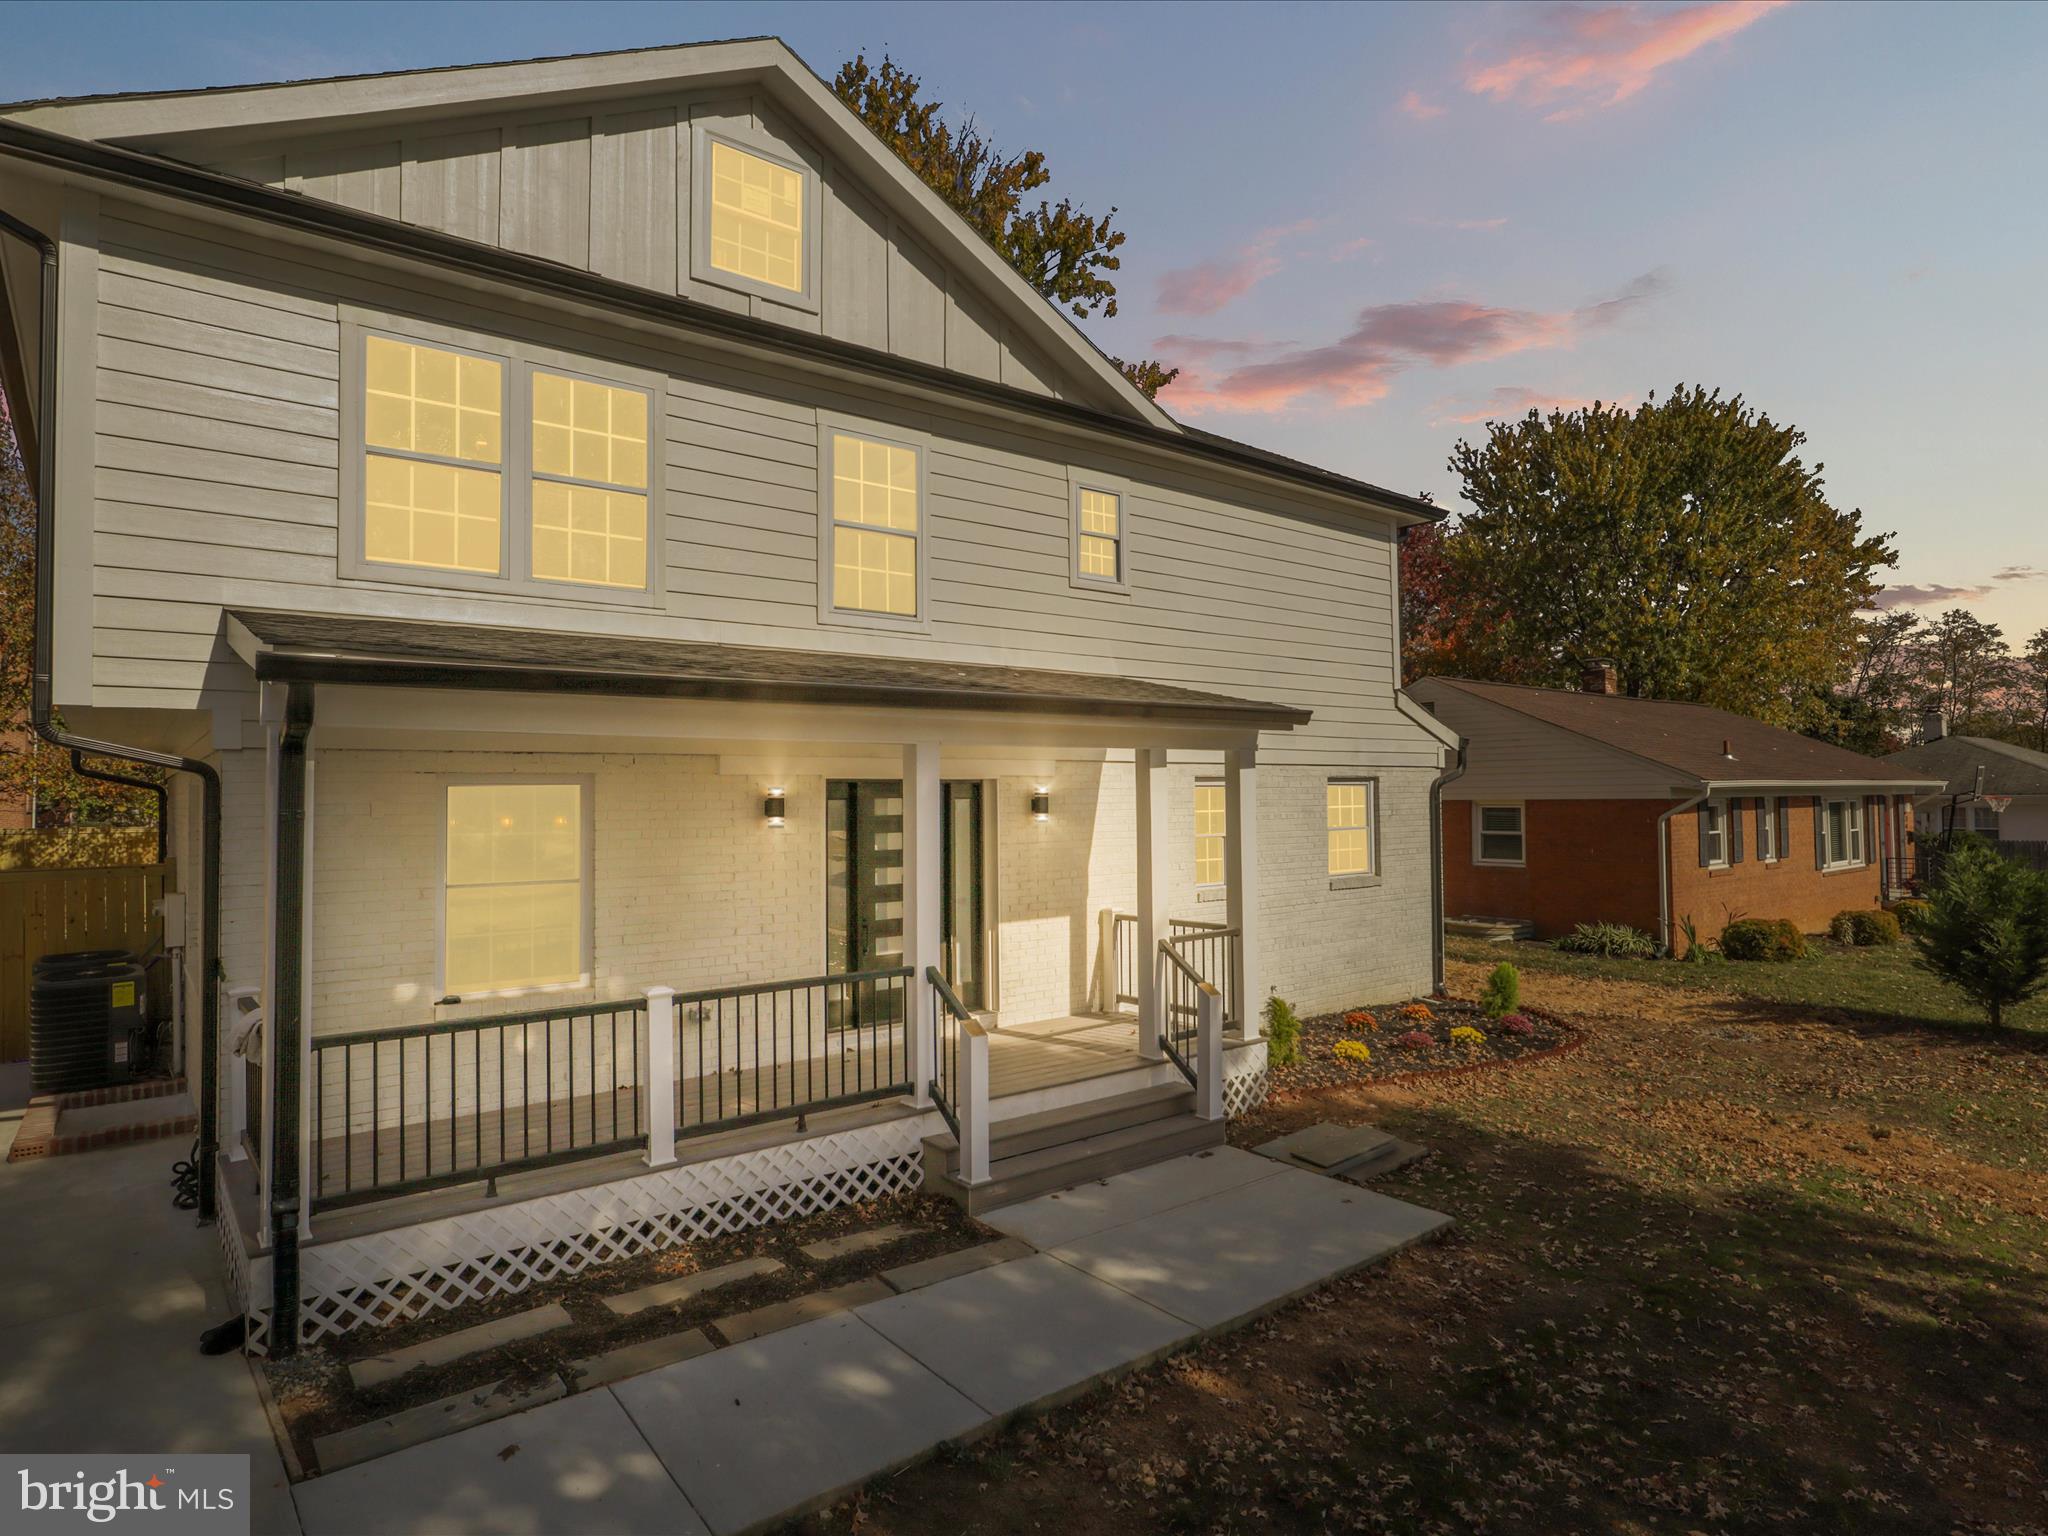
(163,798)
(1436,853)
(41,712)
(1664,864)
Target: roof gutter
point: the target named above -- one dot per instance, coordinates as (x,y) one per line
(412,242)
(42,715)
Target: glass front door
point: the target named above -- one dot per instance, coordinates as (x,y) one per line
(864,881)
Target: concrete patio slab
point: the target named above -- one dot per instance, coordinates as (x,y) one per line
(779,1425)
(1246,1250)
(1026,1334)
(572,1467)
(1051,1220)
(1327,1145)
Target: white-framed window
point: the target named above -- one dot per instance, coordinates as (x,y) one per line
(515,886)
(1985,821)
(1842,834)
(1211,833)
(872,491)
(1499,833)
(495,466)
(1767,829)
(1713,820)
(1101,532)
(754,211)
(1348,806)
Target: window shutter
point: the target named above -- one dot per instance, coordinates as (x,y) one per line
(1699,816)
(1820,833)
(1735,831)
(1784,828)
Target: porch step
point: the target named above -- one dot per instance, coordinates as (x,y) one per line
(1036,1154)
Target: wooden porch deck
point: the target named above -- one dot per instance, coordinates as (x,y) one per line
(1022,1058)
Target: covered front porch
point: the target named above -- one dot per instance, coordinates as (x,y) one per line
(370,1096)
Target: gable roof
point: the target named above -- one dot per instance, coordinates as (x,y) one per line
(2008,770)
(1693,740)
(223,122)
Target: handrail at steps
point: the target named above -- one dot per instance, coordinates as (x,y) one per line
(1180,992)
(945,1078)
(960,1083)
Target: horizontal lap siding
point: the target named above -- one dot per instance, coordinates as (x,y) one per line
(216,482)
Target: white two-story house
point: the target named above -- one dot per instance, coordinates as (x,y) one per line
(708,682)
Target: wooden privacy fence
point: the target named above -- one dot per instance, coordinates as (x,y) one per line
(51,911)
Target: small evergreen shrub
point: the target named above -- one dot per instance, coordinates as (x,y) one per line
(1617,941)
(1985,932)
(1910,912)
(1503,992)
(1758,938)
(1283,1032)
(1864,928)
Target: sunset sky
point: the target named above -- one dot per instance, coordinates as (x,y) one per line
(1363,230)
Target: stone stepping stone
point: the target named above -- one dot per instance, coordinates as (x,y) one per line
(1328,1147)
(379,1369)
(635,1359)
(429,1421)
(669,1292)
(947,1266)
(855,1242)
(742,1326)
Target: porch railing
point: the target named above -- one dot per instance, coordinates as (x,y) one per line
(779,1049)
(959,1083)
(399,1111)
(1123,960)
(1191,1028)
(1211,951)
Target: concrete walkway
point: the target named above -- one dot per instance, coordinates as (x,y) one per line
(1130,1269)
(106,1290)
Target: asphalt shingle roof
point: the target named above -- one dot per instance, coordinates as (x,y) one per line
(2008,770)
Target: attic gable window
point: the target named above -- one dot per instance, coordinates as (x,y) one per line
(755,212)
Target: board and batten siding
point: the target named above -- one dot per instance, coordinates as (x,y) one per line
(1514,757)
(609,192)
(215,484)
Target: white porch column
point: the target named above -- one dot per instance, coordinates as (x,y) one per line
(1241,882)
(1154,840)
(658,1068)
(922,894)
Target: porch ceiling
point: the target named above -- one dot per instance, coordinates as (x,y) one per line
(409,653)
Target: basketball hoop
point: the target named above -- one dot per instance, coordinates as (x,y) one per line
(1997,805)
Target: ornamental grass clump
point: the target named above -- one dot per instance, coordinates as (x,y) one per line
(1352,1050)
(1503,992)
(1615,941)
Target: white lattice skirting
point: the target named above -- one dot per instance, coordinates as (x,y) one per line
(1244,1080)
(382,1277)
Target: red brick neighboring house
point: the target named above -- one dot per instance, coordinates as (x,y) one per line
(1592,807)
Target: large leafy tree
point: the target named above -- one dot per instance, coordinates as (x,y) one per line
(1686,539)
(33,773)
(1066,253)
(2029,693)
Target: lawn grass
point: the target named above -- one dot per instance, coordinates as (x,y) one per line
(1738,1264)
(1881,982)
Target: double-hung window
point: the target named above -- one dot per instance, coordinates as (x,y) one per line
(873,526)
(513,914)
(1348,819)
(1499,835)
(1767,830)
(1713,815)
(1101,534)
(495,467)
(1842,834)
(1210,832)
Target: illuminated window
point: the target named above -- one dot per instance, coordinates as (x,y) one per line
(433,431)
(757,218)
(589,482)
(875,527)
(1349,820)
(514,887)
(1209,834)
(1101,552)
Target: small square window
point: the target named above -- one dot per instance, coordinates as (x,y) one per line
(1498,835)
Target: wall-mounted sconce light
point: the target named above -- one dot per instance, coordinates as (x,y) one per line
(775,807)
(1041,805)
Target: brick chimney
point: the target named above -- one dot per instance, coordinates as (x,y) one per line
(1597,675)
(1931,727)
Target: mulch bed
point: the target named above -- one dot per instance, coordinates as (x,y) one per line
(1414,1039)
(316,1397)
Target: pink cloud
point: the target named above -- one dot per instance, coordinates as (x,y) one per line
(1509,402)
(1358,368)
(1579,58)
(1351,248)
(1909,595)
(1421,109)
(1208,286)
(1470,226)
